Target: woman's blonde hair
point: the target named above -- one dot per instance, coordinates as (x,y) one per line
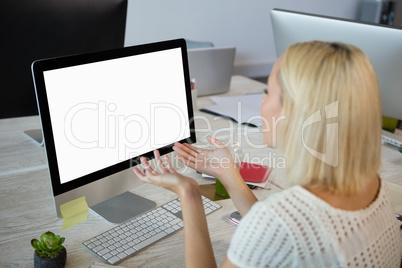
(331,137)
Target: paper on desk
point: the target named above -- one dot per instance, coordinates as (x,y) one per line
(243,109)
(74,212)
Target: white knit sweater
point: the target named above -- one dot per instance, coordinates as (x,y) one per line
(294,228)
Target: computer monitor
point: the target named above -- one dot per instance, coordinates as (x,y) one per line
(101,111)
(38,29)
(382,44)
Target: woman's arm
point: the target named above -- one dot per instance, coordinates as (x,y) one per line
(198,247)
(241,195)
(219,164)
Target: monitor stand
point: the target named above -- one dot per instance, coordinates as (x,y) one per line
(123,207)
(35,135)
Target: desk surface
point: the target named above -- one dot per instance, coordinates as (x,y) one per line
(27,211)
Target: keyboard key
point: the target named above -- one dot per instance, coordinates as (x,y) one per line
(130,251)
(107,256)
(114,260)
(103,252)
(148,242)
(122,255)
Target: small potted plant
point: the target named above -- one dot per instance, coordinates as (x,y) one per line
(49,251)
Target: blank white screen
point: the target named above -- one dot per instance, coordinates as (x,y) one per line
(106,112)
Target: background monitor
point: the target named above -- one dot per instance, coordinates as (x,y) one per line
(212,68)
(382,44)
(39,29)
(101,111)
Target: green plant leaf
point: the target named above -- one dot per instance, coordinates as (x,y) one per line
(49,244)
(35,243)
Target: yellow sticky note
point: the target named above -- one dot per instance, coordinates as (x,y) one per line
(389,123)
(74,212)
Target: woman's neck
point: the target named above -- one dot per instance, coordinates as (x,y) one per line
(354,202)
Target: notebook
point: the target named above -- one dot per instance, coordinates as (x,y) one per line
(252,174)
(211,68)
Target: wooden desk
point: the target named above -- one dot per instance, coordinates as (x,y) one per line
(27,211)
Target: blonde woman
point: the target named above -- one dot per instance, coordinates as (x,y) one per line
(337,210)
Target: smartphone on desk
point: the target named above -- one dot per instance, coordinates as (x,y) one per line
(235,217)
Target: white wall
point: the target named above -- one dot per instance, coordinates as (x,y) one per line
(244,24)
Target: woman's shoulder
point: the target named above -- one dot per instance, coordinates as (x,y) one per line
(298,197)
(296,206)
(292,195)
(313,230)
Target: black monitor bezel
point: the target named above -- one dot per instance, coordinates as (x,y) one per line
(41,66)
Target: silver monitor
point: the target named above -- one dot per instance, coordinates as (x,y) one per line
(101,111)
(382,44)
(211,68)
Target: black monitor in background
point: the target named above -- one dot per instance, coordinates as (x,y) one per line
(101,111)
(38,29)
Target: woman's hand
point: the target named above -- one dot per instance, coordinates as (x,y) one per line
(217,162)
(198,248)
(165,176)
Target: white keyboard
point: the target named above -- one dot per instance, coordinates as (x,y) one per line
(391,138)
(126,239)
